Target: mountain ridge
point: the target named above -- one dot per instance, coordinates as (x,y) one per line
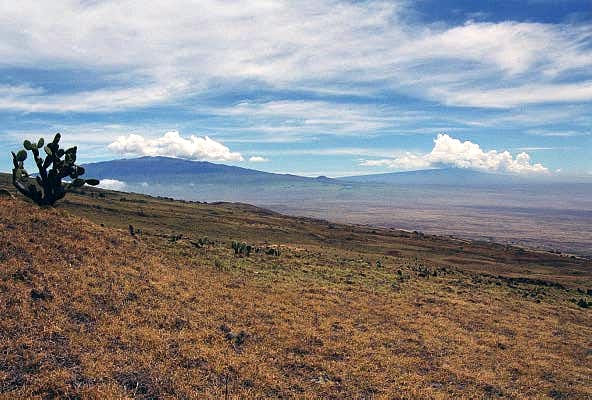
(159,168)
(441,176)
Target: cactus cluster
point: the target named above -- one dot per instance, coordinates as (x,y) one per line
(246,249)
(584,304)
(175,238)
(46,188)
(201,242)
(242,248)
(272,251)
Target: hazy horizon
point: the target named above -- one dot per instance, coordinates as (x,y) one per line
(475,205)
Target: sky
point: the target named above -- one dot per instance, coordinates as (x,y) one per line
(320,87)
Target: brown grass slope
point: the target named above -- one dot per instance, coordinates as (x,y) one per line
(90,312)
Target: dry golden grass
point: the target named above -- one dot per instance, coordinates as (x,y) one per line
(90,312)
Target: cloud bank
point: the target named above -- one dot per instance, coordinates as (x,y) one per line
(450,152)
(172,144)
(112,184)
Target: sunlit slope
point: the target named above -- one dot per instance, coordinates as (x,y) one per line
(343,312)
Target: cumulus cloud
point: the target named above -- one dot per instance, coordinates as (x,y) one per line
(112,184)
(172,144)
(451,152)
(258,159)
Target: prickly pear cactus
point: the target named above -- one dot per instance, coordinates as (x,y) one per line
(47,187)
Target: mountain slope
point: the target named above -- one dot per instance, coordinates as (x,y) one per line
(88,311)
(444,176)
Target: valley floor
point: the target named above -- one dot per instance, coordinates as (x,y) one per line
(90,311)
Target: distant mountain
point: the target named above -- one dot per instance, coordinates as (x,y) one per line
(444,176)
(166,170)
(461,202)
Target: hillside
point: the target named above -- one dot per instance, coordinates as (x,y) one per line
(344,311)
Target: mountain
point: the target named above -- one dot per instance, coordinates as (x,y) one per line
(206,181)
(445,201)
(166,170)
(169,171)
(444,176)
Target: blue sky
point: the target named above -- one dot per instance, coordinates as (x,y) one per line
(315,88)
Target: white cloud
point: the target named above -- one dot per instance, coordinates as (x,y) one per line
(334,151)
(518,95)
(38,100)
(171,51)
(18,90)
(408,161)
(512,47)
(112,184)
(257,159)
(448,151)
(558,133)
(306,118)
(171,144)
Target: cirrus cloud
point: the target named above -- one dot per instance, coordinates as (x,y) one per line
(284,44)
(451,152)
(172,144)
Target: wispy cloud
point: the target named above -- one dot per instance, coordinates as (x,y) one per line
(518,95)
(448,151)
(318,117)
(558,132)
(337,151)
(103,100)
(166,53)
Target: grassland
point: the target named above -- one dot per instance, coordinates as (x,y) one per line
(90,311)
